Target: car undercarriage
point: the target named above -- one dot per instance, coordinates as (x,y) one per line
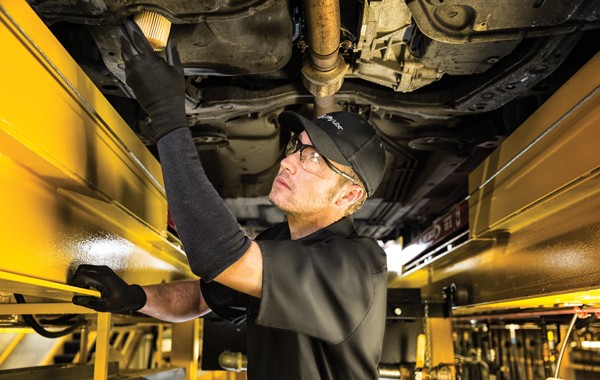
(445,82)
(488,209)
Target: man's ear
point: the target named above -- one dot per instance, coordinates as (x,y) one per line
(351,194)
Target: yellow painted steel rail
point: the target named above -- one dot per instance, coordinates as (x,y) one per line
(534,225)
(78,186)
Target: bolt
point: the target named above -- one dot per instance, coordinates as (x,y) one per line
(346,45)
(302,45)
(492,59)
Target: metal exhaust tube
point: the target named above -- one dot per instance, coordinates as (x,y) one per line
(323,73)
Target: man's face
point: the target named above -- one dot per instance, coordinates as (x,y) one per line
(298,191)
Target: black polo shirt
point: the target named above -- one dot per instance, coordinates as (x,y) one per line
(322,311)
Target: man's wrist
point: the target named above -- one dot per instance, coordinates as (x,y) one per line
(137,297)
(162,126)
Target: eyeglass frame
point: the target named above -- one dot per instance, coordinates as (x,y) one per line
(300,146)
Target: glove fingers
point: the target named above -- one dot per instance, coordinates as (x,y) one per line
(85,278)
(94,303)
(86,268)
(173,55)
(127,49)
(82,300)
(137,37)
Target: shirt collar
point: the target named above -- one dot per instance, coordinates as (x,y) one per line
(343,228)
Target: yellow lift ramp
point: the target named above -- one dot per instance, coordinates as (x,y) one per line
(78,186)
(532,245)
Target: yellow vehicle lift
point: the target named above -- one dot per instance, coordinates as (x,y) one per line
(533,239)
(534,225)
(78,186)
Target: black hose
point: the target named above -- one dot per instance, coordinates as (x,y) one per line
(59,321)
(34,324)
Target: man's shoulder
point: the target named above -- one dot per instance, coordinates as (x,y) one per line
(364,248)
(279,231)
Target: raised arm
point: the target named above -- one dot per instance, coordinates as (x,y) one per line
(216,247)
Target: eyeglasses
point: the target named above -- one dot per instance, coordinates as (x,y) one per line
(311,160)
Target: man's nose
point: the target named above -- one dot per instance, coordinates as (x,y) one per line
(291,162)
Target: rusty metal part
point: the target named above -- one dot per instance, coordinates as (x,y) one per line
(323,73)
(323,18)
(385,57)
(324,104)
(233,361)
(324,83)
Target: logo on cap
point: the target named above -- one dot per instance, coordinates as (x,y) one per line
(330,119)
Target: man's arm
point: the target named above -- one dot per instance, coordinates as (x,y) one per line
(175,301)
(245,275)
(171,302)
(216,247)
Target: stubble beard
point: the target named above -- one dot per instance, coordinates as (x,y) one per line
(308,206)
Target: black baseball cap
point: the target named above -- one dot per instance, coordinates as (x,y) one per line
(345,138)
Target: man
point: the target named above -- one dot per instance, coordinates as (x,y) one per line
(312,291)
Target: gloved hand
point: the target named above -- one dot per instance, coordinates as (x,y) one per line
(159,86)
(117,295)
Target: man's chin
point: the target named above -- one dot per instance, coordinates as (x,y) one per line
(276,201)
(273,198)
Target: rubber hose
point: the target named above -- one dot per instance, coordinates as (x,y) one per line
(33,323)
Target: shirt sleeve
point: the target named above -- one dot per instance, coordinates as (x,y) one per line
(212,238)
(227,303)
(323,290)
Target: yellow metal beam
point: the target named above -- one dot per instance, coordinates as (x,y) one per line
(102,346)
(17,330)
(78,186)
(16,283)
(589,298)
(186,347)
(533,213)
(87,343)
(442,347)
(43,308)
(11,347)
(552,150)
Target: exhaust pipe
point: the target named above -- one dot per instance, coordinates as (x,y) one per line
(323,72)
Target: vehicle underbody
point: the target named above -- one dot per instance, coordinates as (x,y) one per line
(445,82)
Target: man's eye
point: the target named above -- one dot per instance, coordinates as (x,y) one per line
(314,158)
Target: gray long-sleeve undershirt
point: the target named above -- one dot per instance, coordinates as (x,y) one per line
(211,236)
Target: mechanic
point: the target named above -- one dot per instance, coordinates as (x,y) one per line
(311,290)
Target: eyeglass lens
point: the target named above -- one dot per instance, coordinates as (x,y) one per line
(310,159)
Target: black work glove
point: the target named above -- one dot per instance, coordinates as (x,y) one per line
(159,86)
(117,295)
